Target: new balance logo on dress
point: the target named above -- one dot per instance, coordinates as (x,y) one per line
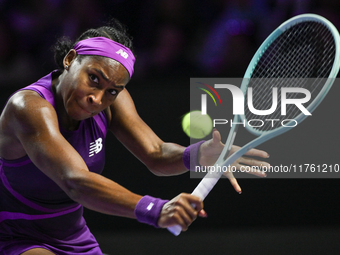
(96,146)
(122,53)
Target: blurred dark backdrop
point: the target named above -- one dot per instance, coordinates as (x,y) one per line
(175,40)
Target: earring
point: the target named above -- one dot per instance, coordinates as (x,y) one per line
(66,67)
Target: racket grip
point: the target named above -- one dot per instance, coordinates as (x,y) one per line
(201,191)
(175,230)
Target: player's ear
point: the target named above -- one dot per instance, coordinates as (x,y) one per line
(70,56)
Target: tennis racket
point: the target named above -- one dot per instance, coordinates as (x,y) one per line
(302,53)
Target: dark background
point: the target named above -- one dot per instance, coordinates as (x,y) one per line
(175,40)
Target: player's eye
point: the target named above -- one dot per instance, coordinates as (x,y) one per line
(94,78)
(113,92)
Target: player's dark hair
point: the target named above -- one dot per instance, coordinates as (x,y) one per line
(115,31)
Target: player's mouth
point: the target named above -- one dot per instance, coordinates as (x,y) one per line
(84,109)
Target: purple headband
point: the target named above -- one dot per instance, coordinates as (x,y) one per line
(102,46)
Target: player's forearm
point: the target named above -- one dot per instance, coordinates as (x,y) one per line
(169,160)
(100,194)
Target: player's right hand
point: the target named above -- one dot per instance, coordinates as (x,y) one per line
(181,210)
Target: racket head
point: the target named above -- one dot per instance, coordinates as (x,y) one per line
(306,38)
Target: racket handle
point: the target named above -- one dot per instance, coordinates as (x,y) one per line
(175,230)
(206,184)
(201,191)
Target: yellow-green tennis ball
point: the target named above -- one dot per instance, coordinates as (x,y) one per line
(196,125)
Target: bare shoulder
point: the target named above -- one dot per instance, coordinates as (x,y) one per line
(25,112)
(122,109)
(25,107)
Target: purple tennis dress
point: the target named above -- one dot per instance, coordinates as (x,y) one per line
(34,211)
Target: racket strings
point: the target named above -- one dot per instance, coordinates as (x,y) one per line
(301,57)
(276,59)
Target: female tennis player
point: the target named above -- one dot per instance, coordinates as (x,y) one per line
(52,152)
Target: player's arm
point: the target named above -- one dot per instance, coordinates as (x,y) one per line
(160,157)
(33,122)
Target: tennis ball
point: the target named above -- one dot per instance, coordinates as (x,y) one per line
(196,125)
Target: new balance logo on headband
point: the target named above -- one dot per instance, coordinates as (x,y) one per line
(122,53)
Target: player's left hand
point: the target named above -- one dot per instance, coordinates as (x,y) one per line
(211,149)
